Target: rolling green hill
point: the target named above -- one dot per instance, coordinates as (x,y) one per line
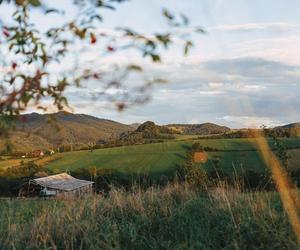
(159,158)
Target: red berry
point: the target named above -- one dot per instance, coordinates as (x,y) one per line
(5,32)
(14,65)
(93,39)
(96,76)
(110,48)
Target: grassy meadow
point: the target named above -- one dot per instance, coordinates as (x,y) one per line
(178,215)
(175,217)
(160,158)
(156,158)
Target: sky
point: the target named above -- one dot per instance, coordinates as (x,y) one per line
(244,72)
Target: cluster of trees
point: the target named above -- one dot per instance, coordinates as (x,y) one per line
(13,177)
(291,132)
(7,152)
(241,133)
(29,154)
(283,132)
(148,132)
(199,129)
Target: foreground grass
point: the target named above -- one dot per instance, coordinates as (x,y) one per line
(175,217)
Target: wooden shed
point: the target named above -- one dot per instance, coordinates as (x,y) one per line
(59,185)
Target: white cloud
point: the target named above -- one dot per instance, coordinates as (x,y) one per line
(210,92)
(234,89)
(283,49)
(261,27)
(250,121)
(249,88)
(216,85)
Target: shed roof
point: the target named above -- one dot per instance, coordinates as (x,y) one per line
(62,181)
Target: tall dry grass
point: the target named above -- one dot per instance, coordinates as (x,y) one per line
(286,189)
(175,217)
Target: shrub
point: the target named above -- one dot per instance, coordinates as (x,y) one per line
(197,147)
(193,174)
(255,180)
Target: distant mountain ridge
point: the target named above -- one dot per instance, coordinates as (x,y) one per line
(48,131)
(289,130)
(290,125)
(38,131)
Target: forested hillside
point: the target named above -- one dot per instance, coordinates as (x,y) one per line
(37,131)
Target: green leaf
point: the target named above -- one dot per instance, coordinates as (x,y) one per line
(108,6)
(155,58)
(35,3)
(160,80)
(134,67)
(168,14)
(164,39)
(151,44)
(187,47)
(200,30)
(128,32)
(185,20)
(98,17)
(51,11)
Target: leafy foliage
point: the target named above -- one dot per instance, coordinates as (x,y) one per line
(192,173)
(31,52)
(147,132)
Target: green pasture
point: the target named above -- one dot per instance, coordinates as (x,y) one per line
(158,158)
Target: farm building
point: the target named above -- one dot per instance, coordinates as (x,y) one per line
(59,185)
